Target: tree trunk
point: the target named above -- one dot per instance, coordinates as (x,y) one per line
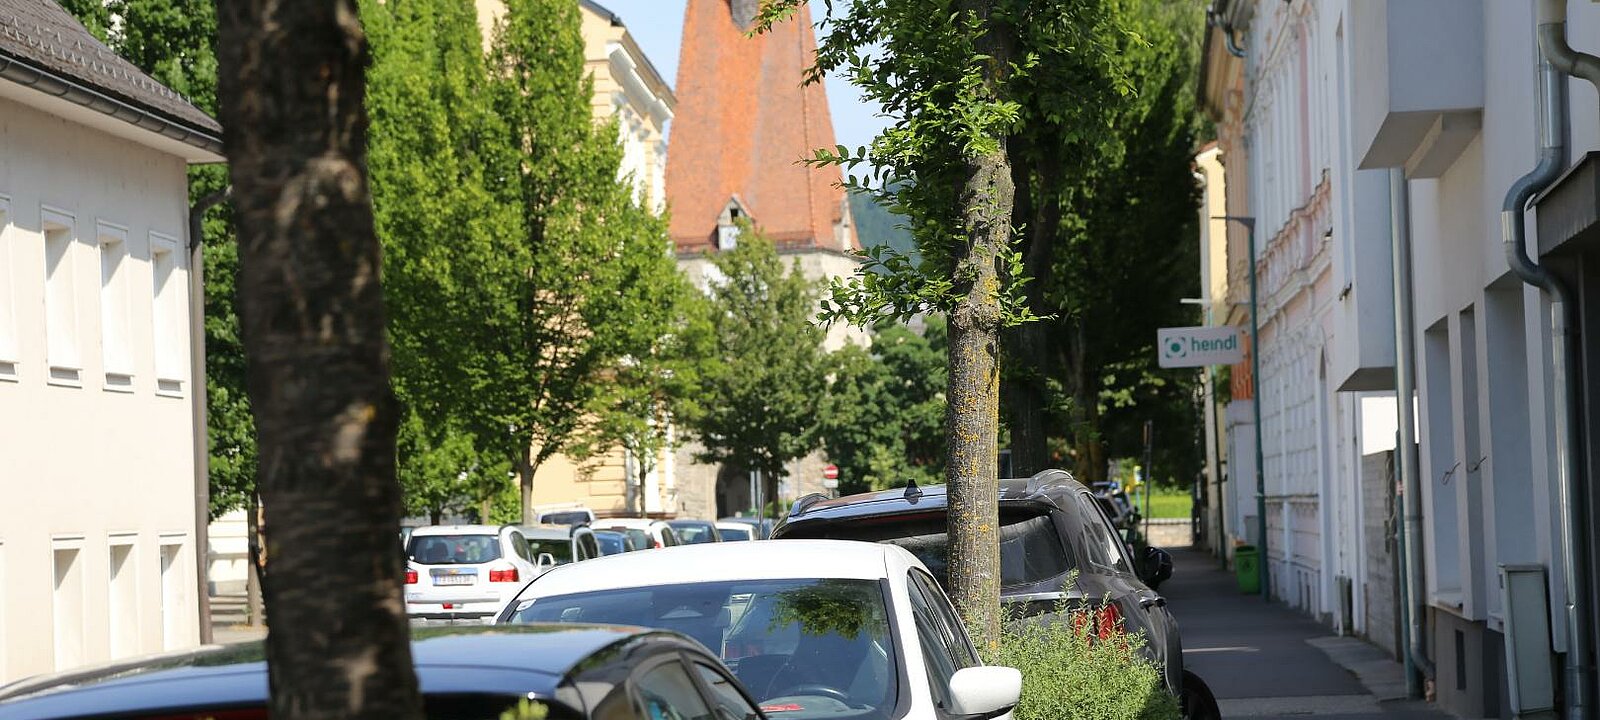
(292,84)
(1026,394)
(973,423)
(525,471)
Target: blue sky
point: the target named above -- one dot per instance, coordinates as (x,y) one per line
(657,25)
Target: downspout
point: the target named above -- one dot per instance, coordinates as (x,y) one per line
(197,405)
(1552,159)
(1405,390)
(1214,17)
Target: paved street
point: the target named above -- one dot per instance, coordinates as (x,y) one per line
(1266,661)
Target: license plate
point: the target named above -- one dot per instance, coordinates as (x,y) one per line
(456,579)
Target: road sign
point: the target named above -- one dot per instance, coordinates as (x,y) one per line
(830,472)
(1200,346)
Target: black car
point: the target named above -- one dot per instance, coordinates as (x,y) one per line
(615,542)
(578,672)
(1050,526)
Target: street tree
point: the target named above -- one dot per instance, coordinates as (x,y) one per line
(763,381)
(317,358)
(943,74)
(883,419)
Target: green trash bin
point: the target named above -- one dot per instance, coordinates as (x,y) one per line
(1245,566)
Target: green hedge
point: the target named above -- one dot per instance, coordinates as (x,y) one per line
(1074,670)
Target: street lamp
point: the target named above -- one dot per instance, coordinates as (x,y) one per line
(1249,224)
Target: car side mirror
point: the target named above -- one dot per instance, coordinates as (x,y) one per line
(1158,564)
(984,692)
(546,560)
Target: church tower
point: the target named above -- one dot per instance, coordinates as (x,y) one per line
(745,123)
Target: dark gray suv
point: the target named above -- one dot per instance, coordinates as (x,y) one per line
(1050,525)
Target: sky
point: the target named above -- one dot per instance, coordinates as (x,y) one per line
(657,25)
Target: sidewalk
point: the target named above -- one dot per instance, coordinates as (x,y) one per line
(1267,661)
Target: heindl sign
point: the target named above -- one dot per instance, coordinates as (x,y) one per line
(1200,346)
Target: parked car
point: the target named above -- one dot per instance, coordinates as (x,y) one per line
(616,542)
(889,645)
(657,533)
(1116,504)
(695,532)
(570,514)
(564,543)
(733,531)
(765,525)
(467,572)
(1052,529)
(578,673)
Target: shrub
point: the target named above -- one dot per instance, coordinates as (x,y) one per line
(1076,668)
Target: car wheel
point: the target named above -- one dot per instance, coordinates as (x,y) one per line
(1198,702)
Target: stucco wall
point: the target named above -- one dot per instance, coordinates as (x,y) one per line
(86,466)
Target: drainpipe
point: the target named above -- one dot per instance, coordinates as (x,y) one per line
(1552,160)
(1214,17)
(201,446)
(1405,354)
(1553,43)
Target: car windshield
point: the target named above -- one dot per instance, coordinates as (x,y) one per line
(571,517)
(454,549)
(816,648)
(611,543)
(732,534)
(560,549)
(1031,551)
(641,539)
(693,533)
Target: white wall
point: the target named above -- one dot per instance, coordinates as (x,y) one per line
(89,466)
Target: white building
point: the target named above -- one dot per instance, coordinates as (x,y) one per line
(97,480)
(1321,102)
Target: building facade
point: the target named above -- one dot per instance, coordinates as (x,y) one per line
(98,535)
(1356,127)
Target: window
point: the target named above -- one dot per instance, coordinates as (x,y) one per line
(455,549)
(67,602)
(115,325)
(167,313)
(731,704)
(60,298)
(174,610)
(955,637)
(1031,549)
(9,351)
(667,693)
(123,598)
(936,654)
(1100,542)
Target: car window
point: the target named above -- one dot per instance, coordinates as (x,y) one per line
(455,549)
(519,545)
(930,637)
(693,533)
(730,703)
(666,693)
(570,517)
(588,547)
(559,548)
(1031,549)
(818,648)
(954,632)
(611,543)
(1100,541)
(669,537)
(731,534)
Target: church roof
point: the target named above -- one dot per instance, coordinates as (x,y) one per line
(45,47)
(745,122)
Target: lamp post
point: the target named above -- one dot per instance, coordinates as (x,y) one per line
(1249,224)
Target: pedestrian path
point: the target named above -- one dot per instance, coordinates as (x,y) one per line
(1266,661)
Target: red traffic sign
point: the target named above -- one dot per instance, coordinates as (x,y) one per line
(830,472)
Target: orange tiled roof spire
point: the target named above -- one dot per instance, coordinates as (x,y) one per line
(744,122)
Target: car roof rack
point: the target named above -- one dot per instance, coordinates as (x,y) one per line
(1047,478)
(804,503)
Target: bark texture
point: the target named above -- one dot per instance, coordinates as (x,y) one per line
(291,85)
(974,395)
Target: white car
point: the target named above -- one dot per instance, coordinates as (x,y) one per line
(657,532)
(467,572)
(814,629)
(734,531)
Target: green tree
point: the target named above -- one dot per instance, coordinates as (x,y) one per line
(764,379)
(175,42)
(883,419)
(943,72)
(438,219)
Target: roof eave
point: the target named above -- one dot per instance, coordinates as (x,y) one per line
(28,74)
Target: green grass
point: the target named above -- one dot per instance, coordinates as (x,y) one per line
(1168,503)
